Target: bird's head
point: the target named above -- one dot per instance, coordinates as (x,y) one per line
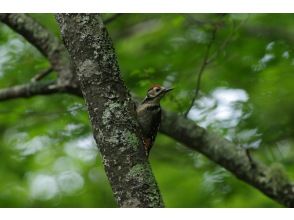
(156,92)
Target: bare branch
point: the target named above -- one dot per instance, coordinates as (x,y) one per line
(210,58)
(44,41)
(28,90)
(268,180)
(42,74)
(204,64)
(33,32)
(229,38)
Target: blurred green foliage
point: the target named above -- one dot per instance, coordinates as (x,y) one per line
(47,154)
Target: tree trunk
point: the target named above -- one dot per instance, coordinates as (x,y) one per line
(111,110)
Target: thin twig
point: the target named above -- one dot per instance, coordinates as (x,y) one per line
(251,161)
(202,68)
(42,74)
(226,41)
(207,60)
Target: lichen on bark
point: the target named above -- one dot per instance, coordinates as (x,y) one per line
(111,110)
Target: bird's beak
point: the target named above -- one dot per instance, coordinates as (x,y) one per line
(168,90)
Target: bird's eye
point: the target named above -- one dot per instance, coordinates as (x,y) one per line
(157,90)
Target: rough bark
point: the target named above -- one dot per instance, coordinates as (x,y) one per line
(111,110)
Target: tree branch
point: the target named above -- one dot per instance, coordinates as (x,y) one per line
(42,74)
(112,113)
(28,90)
(45,42)
(204,64)
(207,59)
(270,181)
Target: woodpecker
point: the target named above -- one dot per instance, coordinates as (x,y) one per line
(149,115)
